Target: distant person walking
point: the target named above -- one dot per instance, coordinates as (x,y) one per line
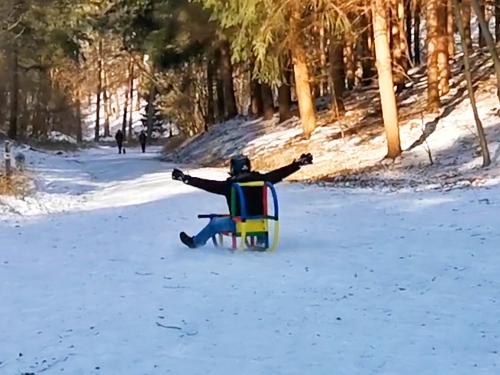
(142,140)
(119,140)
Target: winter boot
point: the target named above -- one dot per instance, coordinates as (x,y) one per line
(186,240)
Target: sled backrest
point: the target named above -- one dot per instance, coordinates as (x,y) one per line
(249,200)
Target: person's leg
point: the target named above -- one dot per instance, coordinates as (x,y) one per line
(119,148)
(216,225)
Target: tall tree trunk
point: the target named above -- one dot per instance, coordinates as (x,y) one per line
(23,114)
(416,32)
(14,100)
(364,42)
(131,95)
(127,99)
(408,19)
(489,42)
(99,90)
(350,65)
(337,77)
(398,42)
(442,48)
(210,93)
(219,87)
(107,106)
(480,131)
(151,110)
(481,41)
(3,102)
(450,28)
(285,96)
(227,77)
(402,38)
(78,105)
(303,90)
(466,16)
(256,104)
(323,83)
(37,115)
(385,81)
(301,73)
(267,101)
(497,21)
(433,102)
(151,104)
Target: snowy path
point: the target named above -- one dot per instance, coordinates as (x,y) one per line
(362,283)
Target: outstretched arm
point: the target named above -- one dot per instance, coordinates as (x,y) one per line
(212,186)
(279,174)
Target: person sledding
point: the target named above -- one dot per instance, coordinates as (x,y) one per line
(240,171)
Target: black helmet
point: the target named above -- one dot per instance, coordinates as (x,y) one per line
(239,164)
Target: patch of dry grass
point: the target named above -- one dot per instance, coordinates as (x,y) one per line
(173,143)
(17,184)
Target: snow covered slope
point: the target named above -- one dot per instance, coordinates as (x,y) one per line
(363,282)
(348,152)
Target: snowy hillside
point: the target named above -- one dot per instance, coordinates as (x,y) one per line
(348,152)
(94,280)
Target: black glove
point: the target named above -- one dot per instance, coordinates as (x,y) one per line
(305,159)
(177,174)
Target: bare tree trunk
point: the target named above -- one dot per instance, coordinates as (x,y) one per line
(323,84)
(99,90)
(127,98)
(284,102)
(23,120)
(227,77)
(481,41)
(337,77)
(151,110)
(385,81)
(404,44)
(433,102)
(302,77)
(131,95)
(489,41)
(349,62)
(466,15)
(450,28)
(480,131)
(497,21)
(79,130)
(219,87)
(398,42)
(442,48)
(408,19)
(303,90)
(14,100)
(285,95)
(416,32)
(151,103)
(365,55)
(267,101)
(256,104)
(210,93)
(107,107)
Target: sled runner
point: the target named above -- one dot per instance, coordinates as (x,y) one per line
(252,223)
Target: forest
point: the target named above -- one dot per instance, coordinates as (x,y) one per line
(73,65)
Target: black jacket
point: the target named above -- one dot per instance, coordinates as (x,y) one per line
(119,137)
(253,195)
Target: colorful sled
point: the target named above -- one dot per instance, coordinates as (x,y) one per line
(251,229)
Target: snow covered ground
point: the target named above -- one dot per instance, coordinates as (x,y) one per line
(93,279)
